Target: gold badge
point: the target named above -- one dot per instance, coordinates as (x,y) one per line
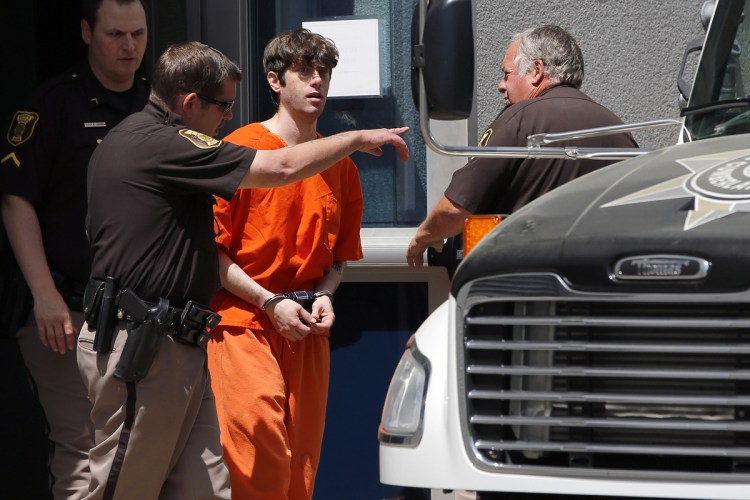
(199,140)
(22,127)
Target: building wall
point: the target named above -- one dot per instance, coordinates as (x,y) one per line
(632,52)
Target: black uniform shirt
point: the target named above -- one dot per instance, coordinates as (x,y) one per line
(150,187)
(47,153)
(503,185)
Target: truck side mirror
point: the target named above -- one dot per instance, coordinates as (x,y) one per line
(683,85)
(444,53)
(695,45)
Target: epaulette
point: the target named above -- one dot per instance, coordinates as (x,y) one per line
(69,76)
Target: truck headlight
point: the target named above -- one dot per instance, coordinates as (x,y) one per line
(404,404)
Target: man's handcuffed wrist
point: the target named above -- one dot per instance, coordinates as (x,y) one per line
(270,300)
(326,293)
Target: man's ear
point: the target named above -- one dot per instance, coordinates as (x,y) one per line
(86,33)
(274,81)
(187,104)
(537,72)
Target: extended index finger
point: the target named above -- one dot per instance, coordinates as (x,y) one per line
(398,142)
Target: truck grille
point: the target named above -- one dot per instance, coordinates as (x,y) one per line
(557,379)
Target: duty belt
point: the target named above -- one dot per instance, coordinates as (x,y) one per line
(190,325)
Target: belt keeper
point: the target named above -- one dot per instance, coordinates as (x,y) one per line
(270,300)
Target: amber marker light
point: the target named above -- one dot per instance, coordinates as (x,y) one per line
(475,227)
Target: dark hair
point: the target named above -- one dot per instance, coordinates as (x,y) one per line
(300,46)
(90,10)
(563,60)
(190,67)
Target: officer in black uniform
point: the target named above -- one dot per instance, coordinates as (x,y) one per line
(43,184)
(142,351)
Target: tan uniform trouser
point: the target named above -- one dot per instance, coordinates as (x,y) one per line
(173,450)
(66,407)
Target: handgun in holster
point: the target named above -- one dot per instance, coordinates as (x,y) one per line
(145,327)
(106,316)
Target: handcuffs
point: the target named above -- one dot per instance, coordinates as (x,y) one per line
(304,298)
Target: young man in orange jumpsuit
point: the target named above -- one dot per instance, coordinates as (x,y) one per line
(269,359)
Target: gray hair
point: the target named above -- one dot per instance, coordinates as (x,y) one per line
(556,48)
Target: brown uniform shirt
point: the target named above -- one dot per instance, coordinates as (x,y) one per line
(150,219)
(503,185)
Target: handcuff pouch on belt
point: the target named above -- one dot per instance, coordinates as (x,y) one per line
(100,311)
(195,323)
(92,298)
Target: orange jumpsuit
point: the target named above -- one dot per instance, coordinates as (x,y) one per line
(270,392)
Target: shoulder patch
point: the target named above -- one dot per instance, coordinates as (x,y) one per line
(485,137)
(483,141)
(22,127)
(199,140)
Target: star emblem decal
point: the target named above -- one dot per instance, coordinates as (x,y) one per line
(719,184)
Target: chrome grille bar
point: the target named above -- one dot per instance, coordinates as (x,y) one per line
(621,423)
(693,323)
(499,345)
(632,450)
(579,397)
(580,371)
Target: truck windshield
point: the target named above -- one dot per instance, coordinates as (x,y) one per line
(720,101)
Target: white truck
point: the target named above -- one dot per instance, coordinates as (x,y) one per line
(596,343)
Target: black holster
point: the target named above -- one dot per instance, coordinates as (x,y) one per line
(92,301)
(105,315)
(142,343)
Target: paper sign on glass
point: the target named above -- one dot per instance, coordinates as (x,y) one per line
(358,41)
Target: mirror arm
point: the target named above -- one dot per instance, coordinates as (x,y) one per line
(571,153)
(543,139)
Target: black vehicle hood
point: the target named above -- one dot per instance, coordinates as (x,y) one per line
(688,200)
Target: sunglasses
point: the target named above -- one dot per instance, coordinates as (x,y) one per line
(224,105)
